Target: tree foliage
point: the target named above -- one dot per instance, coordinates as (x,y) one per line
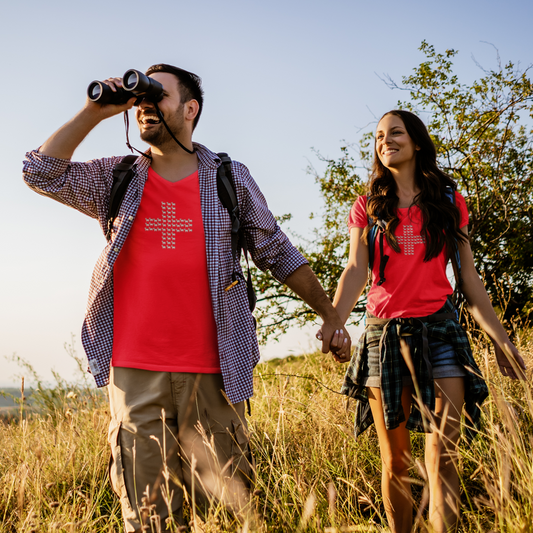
(482,131)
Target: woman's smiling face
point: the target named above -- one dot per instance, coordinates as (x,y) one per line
(394,146)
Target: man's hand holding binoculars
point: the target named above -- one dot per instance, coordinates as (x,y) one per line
(113,105)
(105,99)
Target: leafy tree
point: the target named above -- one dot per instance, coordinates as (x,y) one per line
(484,140)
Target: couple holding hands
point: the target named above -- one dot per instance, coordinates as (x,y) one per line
(168,267)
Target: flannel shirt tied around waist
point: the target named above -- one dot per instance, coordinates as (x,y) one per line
(439,327)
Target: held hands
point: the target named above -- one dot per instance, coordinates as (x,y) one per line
(337,341)
(509,361)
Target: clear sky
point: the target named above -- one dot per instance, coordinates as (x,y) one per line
(280,77)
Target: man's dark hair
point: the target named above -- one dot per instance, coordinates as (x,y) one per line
(190,85)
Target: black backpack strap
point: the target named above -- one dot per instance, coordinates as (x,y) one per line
(455,258)
(383,259)
(371,238)
(228,198)
(377,226)
(122,176)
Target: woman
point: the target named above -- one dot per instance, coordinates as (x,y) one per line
(415,374)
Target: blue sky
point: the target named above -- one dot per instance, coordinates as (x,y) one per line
(280,78)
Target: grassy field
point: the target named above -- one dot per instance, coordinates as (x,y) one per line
(312,476)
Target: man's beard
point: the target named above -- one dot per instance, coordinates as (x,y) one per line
(159,136)
(156,136)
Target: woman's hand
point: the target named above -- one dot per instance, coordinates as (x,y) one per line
(510,362)
(340,345)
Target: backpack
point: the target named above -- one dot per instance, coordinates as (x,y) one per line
(122,176)
(378,226)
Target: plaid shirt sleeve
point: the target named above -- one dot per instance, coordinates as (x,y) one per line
(83,186)
(269,247)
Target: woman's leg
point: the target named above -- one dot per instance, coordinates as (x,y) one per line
(441,455)
(395,447)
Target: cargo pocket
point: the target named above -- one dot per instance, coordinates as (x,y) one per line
(116,469)
(241,454)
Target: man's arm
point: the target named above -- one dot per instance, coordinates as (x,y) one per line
(84,186)
(306,285)
(271,250)
(63,143)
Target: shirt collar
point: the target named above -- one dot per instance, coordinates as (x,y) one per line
(205,156)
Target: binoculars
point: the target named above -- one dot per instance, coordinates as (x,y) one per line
(134,83)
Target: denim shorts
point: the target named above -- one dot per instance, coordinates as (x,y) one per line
(441,355)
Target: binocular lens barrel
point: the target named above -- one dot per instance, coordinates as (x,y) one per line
(135,84)
(141,85)
(103,94)
(95,91)
(131,80)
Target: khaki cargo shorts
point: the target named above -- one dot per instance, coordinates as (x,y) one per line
(173,432)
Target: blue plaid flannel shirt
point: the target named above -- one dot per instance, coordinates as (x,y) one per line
(86,187)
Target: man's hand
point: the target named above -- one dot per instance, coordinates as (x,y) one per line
(332,333)
(305,284)
(103,111)
(339,342)
(66,139)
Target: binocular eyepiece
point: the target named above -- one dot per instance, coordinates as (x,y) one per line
(134,83)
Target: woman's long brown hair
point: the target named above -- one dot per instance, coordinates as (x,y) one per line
(441,218)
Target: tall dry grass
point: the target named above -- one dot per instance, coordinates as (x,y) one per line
(312,476)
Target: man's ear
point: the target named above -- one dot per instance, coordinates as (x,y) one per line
(191,109)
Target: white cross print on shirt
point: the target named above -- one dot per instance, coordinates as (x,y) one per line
(408,240)
(168,225)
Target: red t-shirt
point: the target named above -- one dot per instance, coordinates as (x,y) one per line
(413,288)
(163,317)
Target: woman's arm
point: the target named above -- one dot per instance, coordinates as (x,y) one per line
(351,284)
(354,278)
(509,360)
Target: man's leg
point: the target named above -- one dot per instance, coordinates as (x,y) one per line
(138,445)
(214,443)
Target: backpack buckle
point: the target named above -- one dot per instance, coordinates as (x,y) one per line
(231,285)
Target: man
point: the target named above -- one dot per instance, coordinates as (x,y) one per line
(164,326)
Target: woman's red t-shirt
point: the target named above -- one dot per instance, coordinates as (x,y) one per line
(413,288)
